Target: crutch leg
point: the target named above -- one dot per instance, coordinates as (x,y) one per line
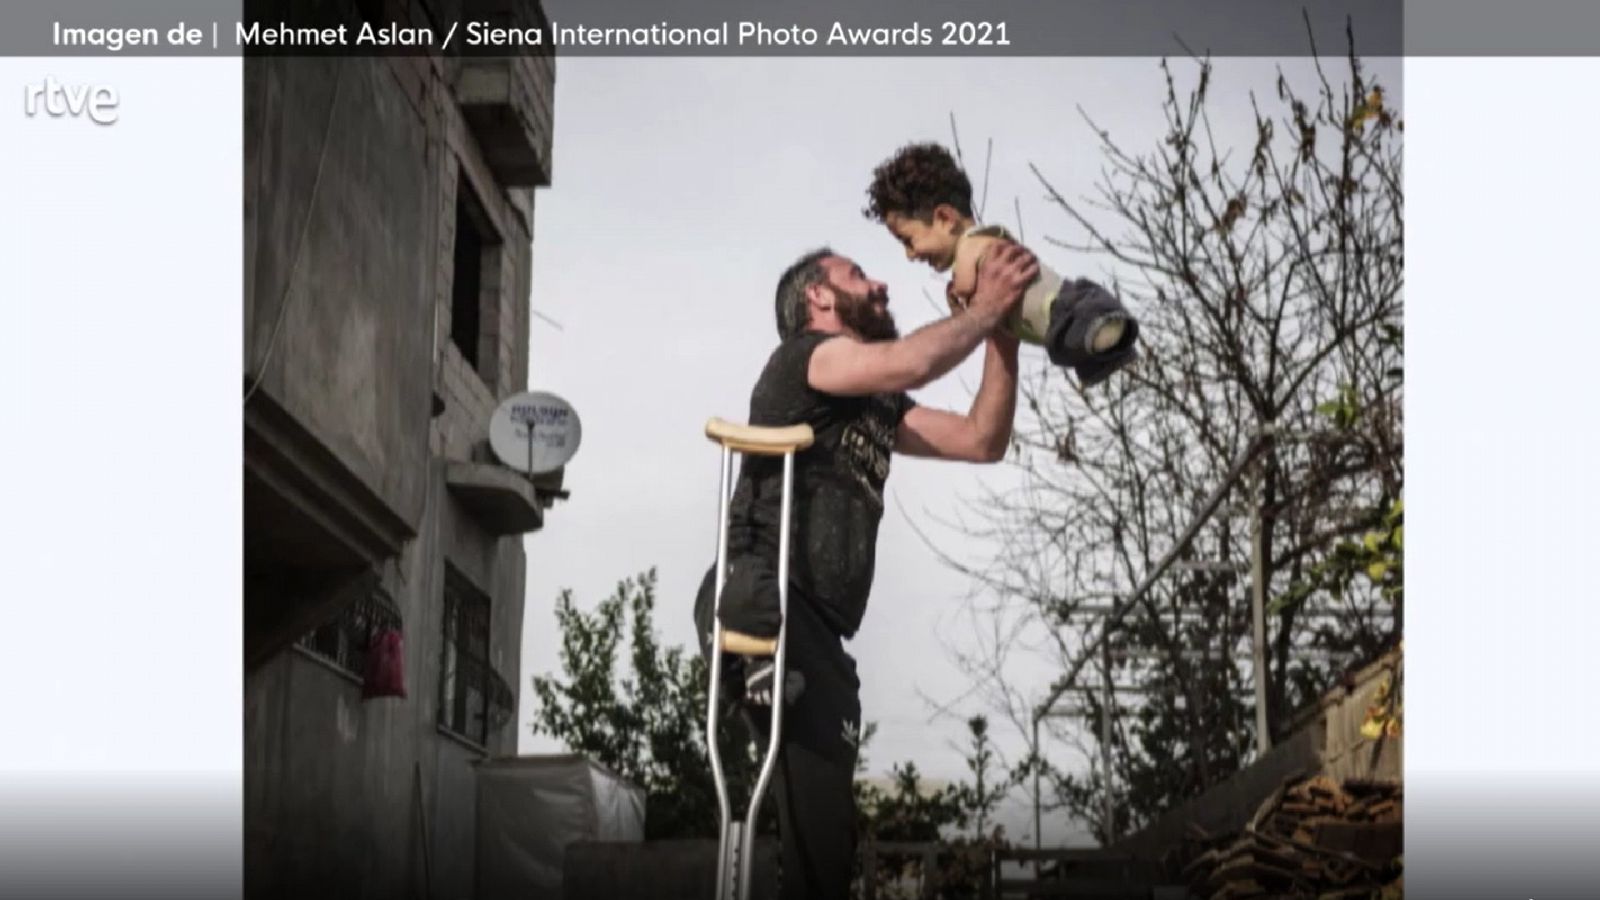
(736,841)
(726,890)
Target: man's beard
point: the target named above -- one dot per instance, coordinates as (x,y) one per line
(861,314)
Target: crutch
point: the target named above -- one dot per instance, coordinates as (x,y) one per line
(736,843)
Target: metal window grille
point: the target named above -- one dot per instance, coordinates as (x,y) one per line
(473,698)
(345,639)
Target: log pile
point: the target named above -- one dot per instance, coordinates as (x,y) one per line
(1313,838)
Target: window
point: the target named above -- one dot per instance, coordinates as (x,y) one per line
(464,686)
(473,283)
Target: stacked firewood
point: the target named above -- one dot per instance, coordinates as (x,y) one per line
(1313,838)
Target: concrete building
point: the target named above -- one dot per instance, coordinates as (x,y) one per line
(388,208)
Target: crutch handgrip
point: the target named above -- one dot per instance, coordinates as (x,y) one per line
(759,440)
(745,645)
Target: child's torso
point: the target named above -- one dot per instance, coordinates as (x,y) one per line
(1032,316)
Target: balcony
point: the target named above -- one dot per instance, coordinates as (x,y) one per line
(502,500)
(508,101)
(314,532)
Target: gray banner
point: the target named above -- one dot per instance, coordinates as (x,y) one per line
(700,27)
(793,28)
(1502,28)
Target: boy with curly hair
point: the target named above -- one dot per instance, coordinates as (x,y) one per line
(925,200)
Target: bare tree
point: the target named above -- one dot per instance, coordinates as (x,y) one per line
(1268,283)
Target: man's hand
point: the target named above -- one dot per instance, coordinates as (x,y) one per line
(1006,272)
(957,303)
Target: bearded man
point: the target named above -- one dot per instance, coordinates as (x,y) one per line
(843,369)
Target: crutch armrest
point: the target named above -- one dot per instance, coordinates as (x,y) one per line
(746,645)
(758,439)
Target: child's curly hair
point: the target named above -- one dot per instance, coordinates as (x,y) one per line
(915,180)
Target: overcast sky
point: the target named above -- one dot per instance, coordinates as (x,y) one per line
(681,189)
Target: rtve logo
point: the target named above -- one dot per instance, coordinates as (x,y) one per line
(97,103)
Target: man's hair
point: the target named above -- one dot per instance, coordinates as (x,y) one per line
(793,313)
(916,179)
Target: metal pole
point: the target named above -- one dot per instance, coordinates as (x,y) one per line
(1105,747)
(1038,764)
(727,842)
(775,736)
(530,447)
(1065,682)
(1258,615)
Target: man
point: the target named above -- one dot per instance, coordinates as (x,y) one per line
(843,369)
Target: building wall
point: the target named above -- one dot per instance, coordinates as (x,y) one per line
(353,313)
(346,797)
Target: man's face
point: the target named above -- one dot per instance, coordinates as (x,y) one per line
(862,304)
(932,242)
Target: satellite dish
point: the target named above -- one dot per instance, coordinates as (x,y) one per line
(544,447)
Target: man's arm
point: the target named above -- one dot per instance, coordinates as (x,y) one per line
(983,434)
(849,367)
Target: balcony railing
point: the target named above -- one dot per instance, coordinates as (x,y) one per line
(345,640)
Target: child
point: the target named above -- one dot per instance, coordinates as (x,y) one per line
(925,200)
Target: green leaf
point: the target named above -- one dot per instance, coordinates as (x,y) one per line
(1373,541)
(1399,531)
(1377,570)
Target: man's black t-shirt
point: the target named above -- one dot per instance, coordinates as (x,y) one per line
(838,496)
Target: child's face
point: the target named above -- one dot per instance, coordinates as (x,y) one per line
(932,242)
